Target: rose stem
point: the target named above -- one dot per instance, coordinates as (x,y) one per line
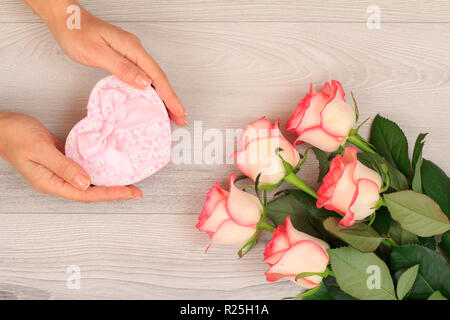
(297,182)
(355,140)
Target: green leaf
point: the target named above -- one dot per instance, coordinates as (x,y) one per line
(383,221)
(391,143)
(417,180)
(374,161)
(434,271)
(436,296)
(436,184)
(406,281)
(417,213)
(365,241)
(417,163)
(321,294)
(429,242)
(355,272)
(280,208)
(445,243)
(401,236)
(418,147)
(309,204)
(329,291)
(302,207)
(324,163)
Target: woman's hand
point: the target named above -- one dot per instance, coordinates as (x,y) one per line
(38,156)
(102,45)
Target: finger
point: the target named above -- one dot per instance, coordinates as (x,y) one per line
(99,193)
(63,167)
(177,120)
(159,80)
(47,182)
(124,69)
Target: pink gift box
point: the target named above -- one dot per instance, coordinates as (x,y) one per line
(126,136)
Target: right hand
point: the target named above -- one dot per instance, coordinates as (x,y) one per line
(38,155)
(100,44)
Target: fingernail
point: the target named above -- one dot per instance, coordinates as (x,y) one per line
(142,81)
(135,197)
(82,181)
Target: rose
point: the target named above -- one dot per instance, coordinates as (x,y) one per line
(350,188)
(261,145)
(323,118)
(291,252)
(229,217)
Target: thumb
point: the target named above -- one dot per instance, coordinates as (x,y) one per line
(64,167)
(124,69)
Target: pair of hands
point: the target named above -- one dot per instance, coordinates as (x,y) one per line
(37,154)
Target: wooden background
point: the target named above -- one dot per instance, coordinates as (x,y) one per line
(230,63)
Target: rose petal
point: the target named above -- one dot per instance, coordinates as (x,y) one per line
(344,190)
(305,256)
(274,258)
(218,216)
(338,117)
(295,235)
(214,196)
(230,233)
(363,172)
(260,157)
(244,208)
(258,129)
(312,117)
(364,202)
(277,245)
(320,139)
(330,180)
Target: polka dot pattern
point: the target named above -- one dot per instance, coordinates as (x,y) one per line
(147,144)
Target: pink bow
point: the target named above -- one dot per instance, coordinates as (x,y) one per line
(118,113)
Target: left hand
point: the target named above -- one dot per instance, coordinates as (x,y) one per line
(39,156)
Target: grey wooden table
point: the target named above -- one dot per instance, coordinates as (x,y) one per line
(230,63)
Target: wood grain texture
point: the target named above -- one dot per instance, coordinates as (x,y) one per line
(229,66)
(226,76)
(248,10)
(125,256)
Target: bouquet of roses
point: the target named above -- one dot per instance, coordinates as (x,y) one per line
(378,226)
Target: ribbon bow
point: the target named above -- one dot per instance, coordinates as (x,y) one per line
(118,113)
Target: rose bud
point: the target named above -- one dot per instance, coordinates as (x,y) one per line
(291,252)
(323,118)
(229,218)
(261,145)
(350,188)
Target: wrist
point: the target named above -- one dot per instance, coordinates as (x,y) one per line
(52,13)
(4,116)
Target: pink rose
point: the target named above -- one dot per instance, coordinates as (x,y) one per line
(323,119)
(258,152)
(229,217)
(291,252)
(350,188)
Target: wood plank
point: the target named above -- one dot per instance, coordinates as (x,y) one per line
(126,256)
(248,10)
(228,75)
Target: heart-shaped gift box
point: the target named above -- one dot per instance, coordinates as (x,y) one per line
(126,136)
